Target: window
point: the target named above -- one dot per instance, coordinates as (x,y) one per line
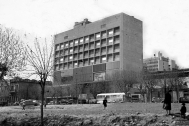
(86,54)
(70,65)
(56,67)
(103,42)
(98,36)
(91,38)
(97,60)
(110,32)
(66,45)
(65,66)
(103,26)
(116,31)
(91,46)
(56,61)
(65,37)
(80,55)
(110,58)
(71,43)
(66,51)
(70,57)
(81,48)
(86,39)
(75,64)
(61,46)
(103,58)
(85,62)
(71,50)
(91,53)
(86,47)
(80,63)
(57,47)
(116,48)
(91,61)
(103,51)
(97,52)
(110,41)
(65,58)
(116,57)
(104,34)
(76,42)
(61,66)
(116,39)
(57,54)
(98,44)
(110,49)
(75,56)
(81,41)
(61,60)
(75,49)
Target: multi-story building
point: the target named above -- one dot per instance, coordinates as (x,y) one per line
(16,89)
(92,50)
(159,63)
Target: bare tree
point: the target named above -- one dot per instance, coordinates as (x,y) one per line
(40,61)
(12,53)
(99,87)
(124,80)
(175,82)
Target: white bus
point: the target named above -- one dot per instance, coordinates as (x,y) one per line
(111,97)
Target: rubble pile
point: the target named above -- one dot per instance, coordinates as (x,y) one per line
(98,120)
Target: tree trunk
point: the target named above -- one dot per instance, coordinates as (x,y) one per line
(42,100)
(177,90)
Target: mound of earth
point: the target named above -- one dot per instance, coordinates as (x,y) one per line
(90,120)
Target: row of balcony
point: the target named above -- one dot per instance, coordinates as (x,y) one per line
(109,34)
(86,62)
(86,54)
(109,49)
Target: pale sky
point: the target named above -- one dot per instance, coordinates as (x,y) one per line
(165,22)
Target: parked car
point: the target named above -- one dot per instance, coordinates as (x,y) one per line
(37,102)
(3,103)
(65,102)
(28,102)
(183,100)
(92,101)
(51,103)
(16,103)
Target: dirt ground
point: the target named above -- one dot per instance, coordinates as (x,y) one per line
(116,114)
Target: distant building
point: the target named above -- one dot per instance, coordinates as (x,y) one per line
(159,63)
(17,89)
(92,50)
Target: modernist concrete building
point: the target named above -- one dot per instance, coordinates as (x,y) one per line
(92,50)
(159,63)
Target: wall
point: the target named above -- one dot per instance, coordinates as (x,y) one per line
(132,44)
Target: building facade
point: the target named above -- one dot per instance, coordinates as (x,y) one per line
(93,50)
(159,63)
(14,90)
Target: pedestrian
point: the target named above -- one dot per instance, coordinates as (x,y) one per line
(45,104)
(167,102)
(23,106)
(183,110)
(105,102)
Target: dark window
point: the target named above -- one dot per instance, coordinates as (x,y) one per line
(103,26)
(65,37)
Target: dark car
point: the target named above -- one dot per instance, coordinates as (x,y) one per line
(65,102)
(183,100)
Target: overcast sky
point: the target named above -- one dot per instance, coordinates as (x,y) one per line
(165,22)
